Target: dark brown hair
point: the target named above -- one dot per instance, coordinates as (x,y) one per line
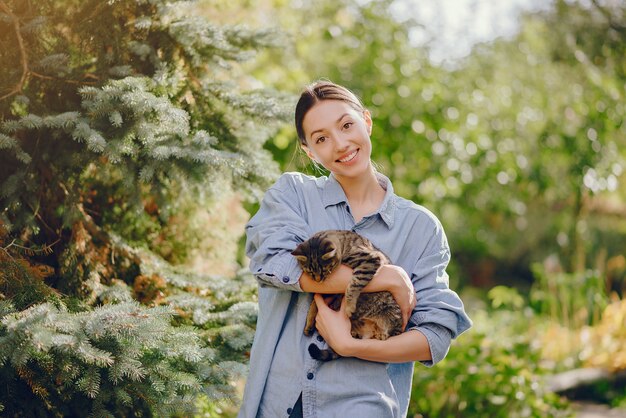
(318,91)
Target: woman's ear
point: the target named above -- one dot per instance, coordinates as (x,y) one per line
(308,153)
(367,117)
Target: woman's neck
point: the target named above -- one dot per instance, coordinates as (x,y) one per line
(363,192)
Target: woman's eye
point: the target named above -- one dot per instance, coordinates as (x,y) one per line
(347,125)
(320,140)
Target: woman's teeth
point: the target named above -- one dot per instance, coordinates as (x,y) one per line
(349,157)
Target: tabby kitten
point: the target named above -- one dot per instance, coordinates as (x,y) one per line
(373,315)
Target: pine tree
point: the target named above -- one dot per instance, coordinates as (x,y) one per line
(117,117)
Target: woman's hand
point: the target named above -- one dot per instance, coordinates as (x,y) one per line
(398,283)
(388,278)
(334,326)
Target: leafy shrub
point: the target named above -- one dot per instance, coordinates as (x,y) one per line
(494,370)
(571,299)
(607,341)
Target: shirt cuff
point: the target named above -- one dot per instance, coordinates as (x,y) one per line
(438,338)
(282,272)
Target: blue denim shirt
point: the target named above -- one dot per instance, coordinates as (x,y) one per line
(293,209)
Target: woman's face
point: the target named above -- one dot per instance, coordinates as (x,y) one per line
(338,137)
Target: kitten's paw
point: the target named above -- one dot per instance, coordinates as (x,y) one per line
(349,311)
(315,352)
(322,355)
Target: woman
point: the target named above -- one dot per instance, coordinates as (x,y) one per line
(373,378)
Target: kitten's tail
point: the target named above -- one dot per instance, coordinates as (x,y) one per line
(322,355)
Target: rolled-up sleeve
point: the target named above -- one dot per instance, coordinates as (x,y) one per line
(439,313)
(272,233)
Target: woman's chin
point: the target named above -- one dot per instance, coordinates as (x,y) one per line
(354,171)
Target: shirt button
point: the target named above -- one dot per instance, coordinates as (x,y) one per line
(259,269)
(289,411)
(320,338)
(310,376)
(286,279)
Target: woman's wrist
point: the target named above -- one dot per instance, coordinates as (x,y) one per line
(348,347)
(408,346)
(335,283)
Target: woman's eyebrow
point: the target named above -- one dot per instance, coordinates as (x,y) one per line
(320,130)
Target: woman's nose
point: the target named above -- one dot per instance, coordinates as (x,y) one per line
(341,142)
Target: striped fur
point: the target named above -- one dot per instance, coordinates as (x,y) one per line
(373,315)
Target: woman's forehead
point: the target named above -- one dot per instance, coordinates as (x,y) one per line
(326,113)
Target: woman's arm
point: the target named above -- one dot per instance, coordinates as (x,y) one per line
(408,346)
(273,232)
(334,326)
(388,278)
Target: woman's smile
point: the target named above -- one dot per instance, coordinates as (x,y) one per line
(349,157)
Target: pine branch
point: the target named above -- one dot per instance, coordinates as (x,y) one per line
(170,134)
(23,57)
(45,250)
(47,77)
(37,215)
(26,71)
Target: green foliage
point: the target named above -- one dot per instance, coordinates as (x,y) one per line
(570,299)
(137,96)
(493,371)
(22,283)
(65,363)
(619,400)
(97,362)
(208,409)
(120,124)
(505,297)
(548,137)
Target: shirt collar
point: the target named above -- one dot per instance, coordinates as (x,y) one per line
(333,194)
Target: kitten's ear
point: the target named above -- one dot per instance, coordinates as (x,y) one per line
(302,258)
(299,254)
(330,254)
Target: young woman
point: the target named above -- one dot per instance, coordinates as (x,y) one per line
(373,378)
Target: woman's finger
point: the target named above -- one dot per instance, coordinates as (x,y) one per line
(405,319)
(405,316)
(319,301)
(342,307)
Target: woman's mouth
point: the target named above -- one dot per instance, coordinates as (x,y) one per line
(349,157)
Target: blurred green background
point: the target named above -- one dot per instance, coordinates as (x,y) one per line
(506,120)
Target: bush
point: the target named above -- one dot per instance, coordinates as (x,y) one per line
(608,349)
(571,299)
(492,371)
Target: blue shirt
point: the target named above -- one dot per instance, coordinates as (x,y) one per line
(293,209)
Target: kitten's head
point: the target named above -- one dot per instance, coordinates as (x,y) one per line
(317,257)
